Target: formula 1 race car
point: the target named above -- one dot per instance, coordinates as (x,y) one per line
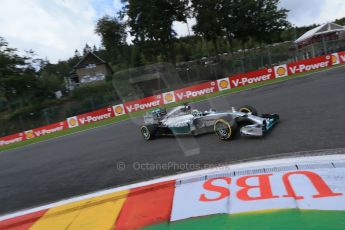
(183,120)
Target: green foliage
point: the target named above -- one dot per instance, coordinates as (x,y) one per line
(94,89)
(152,20)
(17,77)
(243,20)
(208,19)
(50,83)
(61,69)
(3,104)
(340,21)
(113,34)
(268,20)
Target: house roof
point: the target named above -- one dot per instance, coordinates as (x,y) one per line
(322,29)
(87,55)
(100,61)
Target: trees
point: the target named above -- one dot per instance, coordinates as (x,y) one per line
(9,60)
(16,77)
(243,20)
(240,19)
(86,49)
(113,34)
(27,80)
(268,20)
(228,20)
(152,21)
(208,19)
(340,21)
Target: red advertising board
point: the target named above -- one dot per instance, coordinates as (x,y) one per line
(44,130)
(196,90)
(341,57)
(251,77)
(11,139)
(143,104)
(98,115)
(309,65)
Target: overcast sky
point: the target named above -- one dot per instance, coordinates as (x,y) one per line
(55,28)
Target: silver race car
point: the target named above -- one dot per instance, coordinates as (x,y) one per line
(182,120)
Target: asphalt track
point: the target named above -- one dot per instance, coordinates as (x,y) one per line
(311,108)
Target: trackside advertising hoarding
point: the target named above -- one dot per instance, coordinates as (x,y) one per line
(196,91)
(207,88)
(45,130)
(341,57)
(305,190)
(98,115)
(11,139)
(33,133)
(143,104)
(251,77)
(273,196)
(310,65)
(87,118)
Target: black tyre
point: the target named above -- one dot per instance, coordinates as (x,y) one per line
(248,109)
(225,128)
(149,132)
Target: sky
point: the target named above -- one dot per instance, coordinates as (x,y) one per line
(55,28)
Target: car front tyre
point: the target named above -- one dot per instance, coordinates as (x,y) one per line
(148,132)
(224,129)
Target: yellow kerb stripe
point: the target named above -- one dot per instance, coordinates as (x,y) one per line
(95,213)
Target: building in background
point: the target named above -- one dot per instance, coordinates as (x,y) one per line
(89,69)
(324,39)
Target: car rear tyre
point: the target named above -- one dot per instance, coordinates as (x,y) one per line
(225,129)
(148,132)
(248,109)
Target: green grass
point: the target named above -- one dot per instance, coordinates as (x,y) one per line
(140,113)
(289,219)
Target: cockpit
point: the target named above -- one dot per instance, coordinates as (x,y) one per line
(180,111)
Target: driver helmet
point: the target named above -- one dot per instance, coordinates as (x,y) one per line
(196,113)
(186,108)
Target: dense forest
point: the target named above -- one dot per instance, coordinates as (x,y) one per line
(141,34)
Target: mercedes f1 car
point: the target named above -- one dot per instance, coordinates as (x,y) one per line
(182,120)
